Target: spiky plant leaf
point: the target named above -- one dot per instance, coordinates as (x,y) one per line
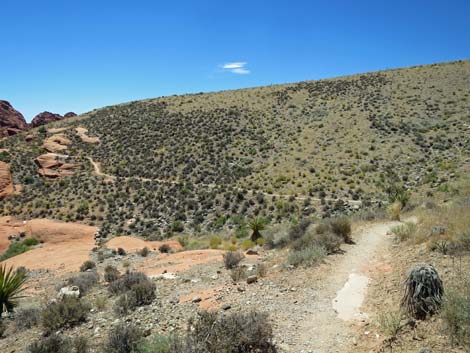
(11,286)
(423,292)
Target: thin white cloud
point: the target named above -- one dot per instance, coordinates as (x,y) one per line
(240,71)
(237,67)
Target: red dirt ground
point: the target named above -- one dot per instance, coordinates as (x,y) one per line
(131,244)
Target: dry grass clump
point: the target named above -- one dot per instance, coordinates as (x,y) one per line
(232,259)
(68,312)
(404,231)
(56,343)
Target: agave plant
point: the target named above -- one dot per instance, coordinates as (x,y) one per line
(257,225)
(11,286)
(423,292)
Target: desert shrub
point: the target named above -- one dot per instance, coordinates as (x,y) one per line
(247,244)
(68,312)
(298,230)
(404,231)
(423,292)
(238,332)
(342,227)
(232,259)
(144,251)
(456,312)
(84,281)
(100,302)
(126,303)
(111,273)
(463,240)
(215,242)
(3,328)
(329,241)
(390,323)
(30,242)
(127,282)
(237,274)
(51,344)
(394,210)
(123,339)
(11,287)
(164,248)
(121,252)
(308,257)
(136,289)
(261,270)
(322,227)
(14,249)
(177,226)
(159,344)
(87,265)
(27,318)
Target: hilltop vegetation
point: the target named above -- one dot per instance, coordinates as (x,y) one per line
(203,160)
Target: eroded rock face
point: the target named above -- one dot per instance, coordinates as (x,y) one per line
(45,118)
(53,165)
(11,121)
(6,181)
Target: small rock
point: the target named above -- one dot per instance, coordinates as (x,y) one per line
(196,299)
(252,279)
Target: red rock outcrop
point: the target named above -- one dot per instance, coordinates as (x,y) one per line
(11,121)
(45,118)
(69,115)
(6,182)
(53,165)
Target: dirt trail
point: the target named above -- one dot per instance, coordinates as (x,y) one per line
(317,327)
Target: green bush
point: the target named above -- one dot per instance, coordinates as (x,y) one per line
(136,289)
(215,242)
(59,344)
(123,339)
(66,313)
(84,281)
(238,332)
(308,257)
(342,227)
(27,318)
(87,265)
(111,273)
(456,313)
(18,248)
(404,231)
(157,344)
(232,259)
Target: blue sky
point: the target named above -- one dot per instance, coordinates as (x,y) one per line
(65,56)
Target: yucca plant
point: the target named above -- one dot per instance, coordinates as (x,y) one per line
(11,286)
(423,292)
(257,225)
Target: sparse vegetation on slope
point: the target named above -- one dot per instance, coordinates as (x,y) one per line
(183,163)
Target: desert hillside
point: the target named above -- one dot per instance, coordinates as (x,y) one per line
(280,219)
(194,161)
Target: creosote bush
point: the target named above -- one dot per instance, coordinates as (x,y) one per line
(456,312)
(111,273)
(309,256)
(87,265)
(84,281)
(135,289)
(65,313)
(123,339)
(232,259)
(164,248)
(342,227)
(27,318)
(239,332)
(59,344)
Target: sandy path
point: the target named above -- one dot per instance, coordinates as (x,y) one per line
(316,327)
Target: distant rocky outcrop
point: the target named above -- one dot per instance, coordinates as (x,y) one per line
(69,115)
(6,182)
(11,121)
(52,165)
(45,118)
